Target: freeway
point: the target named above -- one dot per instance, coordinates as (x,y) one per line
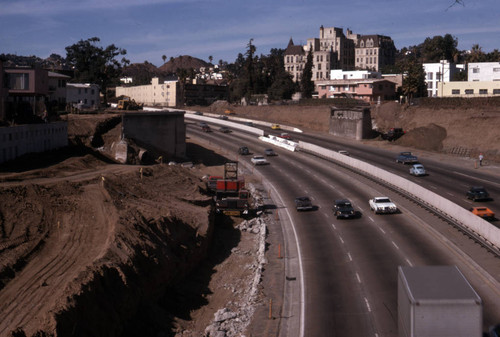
(347,268)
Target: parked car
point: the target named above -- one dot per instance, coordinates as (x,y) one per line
(243,150)
(259,160)
(343,209)
(483,212)
(270,152)
(303,204)
(393,134)
(382,205)
(224,129)
(206,129)
(276,127)
(417,170)
(476,193)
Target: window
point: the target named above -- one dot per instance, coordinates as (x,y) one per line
(85,90)
(496,70)
(429,85)
(455,91)
(438,76)
(469,91)
(429,76)
(483,91)
(19,81)
(496,91)
(475,70)
(319,66)
(321,58)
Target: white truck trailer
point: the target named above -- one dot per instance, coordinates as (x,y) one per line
(437,301)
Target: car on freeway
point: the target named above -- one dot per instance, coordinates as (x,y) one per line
(344,152)
(243,150)
(417,170)
(342,209)
(259,160)
(249,123)
(406,158)
(223,117)
(199,113)
(202,124)
(224,129)
(476,193)
(303,203)
(286,136)
(270,152)
(382,205)
(483,212)
(275,127)
(206,128)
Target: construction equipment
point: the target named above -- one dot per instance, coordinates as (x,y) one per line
(231,197)
(126,103)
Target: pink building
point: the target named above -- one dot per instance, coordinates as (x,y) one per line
(369,90)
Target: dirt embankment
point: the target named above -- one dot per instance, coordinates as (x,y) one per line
(463,131)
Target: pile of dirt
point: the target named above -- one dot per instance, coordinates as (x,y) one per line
(429,138)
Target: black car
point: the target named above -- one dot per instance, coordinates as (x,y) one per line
(477,193)
(224,129)
(343,209)
(303,204)
(243,150)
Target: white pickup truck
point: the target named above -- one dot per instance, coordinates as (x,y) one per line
(382,205)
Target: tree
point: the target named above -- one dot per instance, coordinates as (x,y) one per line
(210,59)
(306,83)
(94,64)
(164,57)
(439,48)
(414,80)
(476,54)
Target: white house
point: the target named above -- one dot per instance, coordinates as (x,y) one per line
(83,94)
(484,71)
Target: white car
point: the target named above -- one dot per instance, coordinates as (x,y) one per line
(382,205)
(259,160)
(417,170)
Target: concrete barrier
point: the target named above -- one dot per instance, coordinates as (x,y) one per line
(472,222)
(201,118)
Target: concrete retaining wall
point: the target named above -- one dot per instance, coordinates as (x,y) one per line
(474,223)
(163,132)
(16,141)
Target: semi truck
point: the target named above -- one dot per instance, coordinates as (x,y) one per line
(231,197)
(437,301)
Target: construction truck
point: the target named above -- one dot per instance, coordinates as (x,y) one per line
(126,103)
(231,197)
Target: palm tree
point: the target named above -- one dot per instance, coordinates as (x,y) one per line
(210,59)
(164,57)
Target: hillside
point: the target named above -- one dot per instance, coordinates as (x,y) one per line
(184,62)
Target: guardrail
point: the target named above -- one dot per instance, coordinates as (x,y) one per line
(473,224)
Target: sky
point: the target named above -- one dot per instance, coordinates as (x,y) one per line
(149,29)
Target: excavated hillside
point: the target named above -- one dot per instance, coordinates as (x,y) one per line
(464,130)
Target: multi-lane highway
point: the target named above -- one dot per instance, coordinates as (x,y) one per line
(345,271)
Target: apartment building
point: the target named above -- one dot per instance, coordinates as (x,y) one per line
(373,52)
(483,71)
(83,95)
(469,89)
(438,73)
(370,90)
(294,58)
(170,94)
